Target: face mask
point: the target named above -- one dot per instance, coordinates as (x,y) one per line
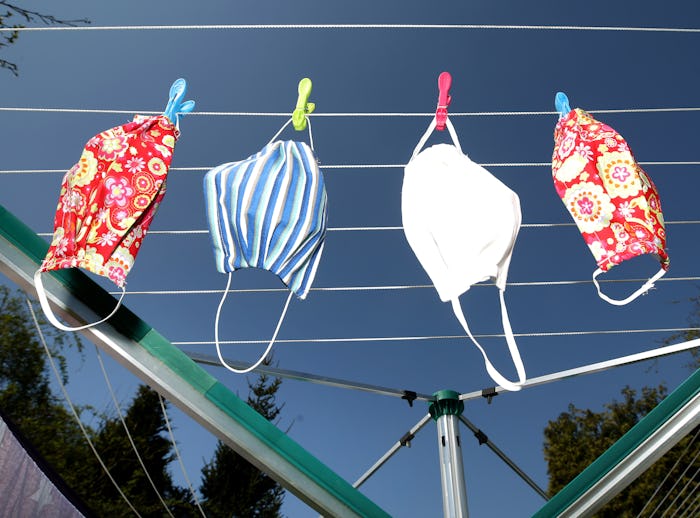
(269,212)
(461,223)
(107,202)
(109,198)
(612,200)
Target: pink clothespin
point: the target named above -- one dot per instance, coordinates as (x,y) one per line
(444,84)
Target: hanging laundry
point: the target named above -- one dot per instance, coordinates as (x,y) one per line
(109,198)
(461,223)
(269,212)
(612,200)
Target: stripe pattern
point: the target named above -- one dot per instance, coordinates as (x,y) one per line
(269,211)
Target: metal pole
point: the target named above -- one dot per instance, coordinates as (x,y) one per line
(483,439)
(446,411)
(404,441)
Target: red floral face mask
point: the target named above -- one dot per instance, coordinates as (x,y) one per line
(108,200)
(612,200)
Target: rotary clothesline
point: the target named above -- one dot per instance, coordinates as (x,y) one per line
(349,26)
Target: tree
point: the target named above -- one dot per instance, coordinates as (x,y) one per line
(27,399)
(233,487)
(25,391)
(146,423)
(577,437)
(12,12)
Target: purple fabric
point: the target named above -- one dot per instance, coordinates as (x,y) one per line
(24,488)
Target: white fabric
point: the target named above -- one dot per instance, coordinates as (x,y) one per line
(44,301)
(644,288)
(461,222)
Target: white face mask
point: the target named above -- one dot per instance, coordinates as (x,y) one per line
(461,223)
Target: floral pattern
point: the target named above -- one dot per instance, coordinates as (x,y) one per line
(108,199)
(590,206)
(612,200)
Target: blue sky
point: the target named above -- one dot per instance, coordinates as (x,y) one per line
(380,71)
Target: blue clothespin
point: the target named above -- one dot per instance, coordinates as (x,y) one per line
(175,106)
(561,103)
(304,107)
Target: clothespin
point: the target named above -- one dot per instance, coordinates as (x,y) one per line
(304,107)
(444,99)
(561,103)
(175,106)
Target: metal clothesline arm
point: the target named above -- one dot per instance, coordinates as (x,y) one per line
(483,439)
(591,368)
(401,442)
(408,395)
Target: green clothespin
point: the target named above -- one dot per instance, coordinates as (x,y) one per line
(304,107)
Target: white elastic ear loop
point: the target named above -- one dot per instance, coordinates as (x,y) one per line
(44,301)
(429,131)
(495,375)
(308,125)
(269,346)
(645,287)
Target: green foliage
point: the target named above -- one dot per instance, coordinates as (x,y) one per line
(231,486)
(25,392)
(577,437)
(27,399)
(146,423)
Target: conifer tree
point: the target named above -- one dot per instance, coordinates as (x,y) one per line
(231,486)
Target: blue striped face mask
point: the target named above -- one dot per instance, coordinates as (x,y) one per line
(269,212)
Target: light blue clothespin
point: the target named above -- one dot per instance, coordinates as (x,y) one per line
(561,103)
(175,106)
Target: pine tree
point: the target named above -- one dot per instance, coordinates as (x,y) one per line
(231,486)
(146,423)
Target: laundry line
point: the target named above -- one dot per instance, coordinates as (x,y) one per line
(344,114)
(390,287)
(180,232)
(372,339)
(350,26)
(359,166)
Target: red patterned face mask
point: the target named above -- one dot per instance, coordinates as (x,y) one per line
(108,200)
(612,200)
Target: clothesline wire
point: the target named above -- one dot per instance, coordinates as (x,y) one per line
(343,114)
(545,334)
(356,166)
(117,406)
(390,287)
(179,457)
(178,232)
(356,26)
(668,474)
(74,411)
(685,486)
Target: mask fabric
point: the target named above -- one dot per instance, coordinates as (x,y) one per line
(269,212)
(612,200)
(461,222)
(107,202)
